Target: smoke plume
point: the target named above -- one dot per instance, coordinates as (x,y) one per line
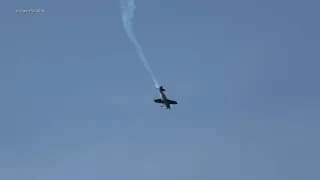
(127,8)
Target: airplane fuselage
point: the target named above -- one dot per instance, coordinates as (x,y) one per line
(164,98)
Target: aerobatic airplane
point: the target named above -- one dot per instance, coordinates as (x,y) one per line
(164,100)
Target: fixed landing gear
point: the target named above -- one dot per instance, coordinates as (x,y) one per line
(166,107)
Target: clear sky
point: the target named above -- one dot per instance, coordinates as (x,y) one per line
(76,102)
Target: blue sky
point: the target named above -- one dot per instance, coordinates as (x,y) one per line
(77,103)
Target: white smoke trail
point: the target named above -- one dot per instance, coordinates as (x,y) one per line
(127,8)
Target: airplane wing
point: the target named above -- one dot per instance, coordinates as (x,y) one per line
(158,101)
(172,102)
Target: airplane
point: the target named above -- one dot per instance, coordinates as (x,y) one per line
(164,100)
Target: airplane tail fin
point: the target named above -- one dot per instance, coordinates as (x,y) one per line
(161,88)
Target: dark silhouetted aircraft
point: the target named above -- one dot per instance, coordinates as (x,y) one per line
(164,100)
